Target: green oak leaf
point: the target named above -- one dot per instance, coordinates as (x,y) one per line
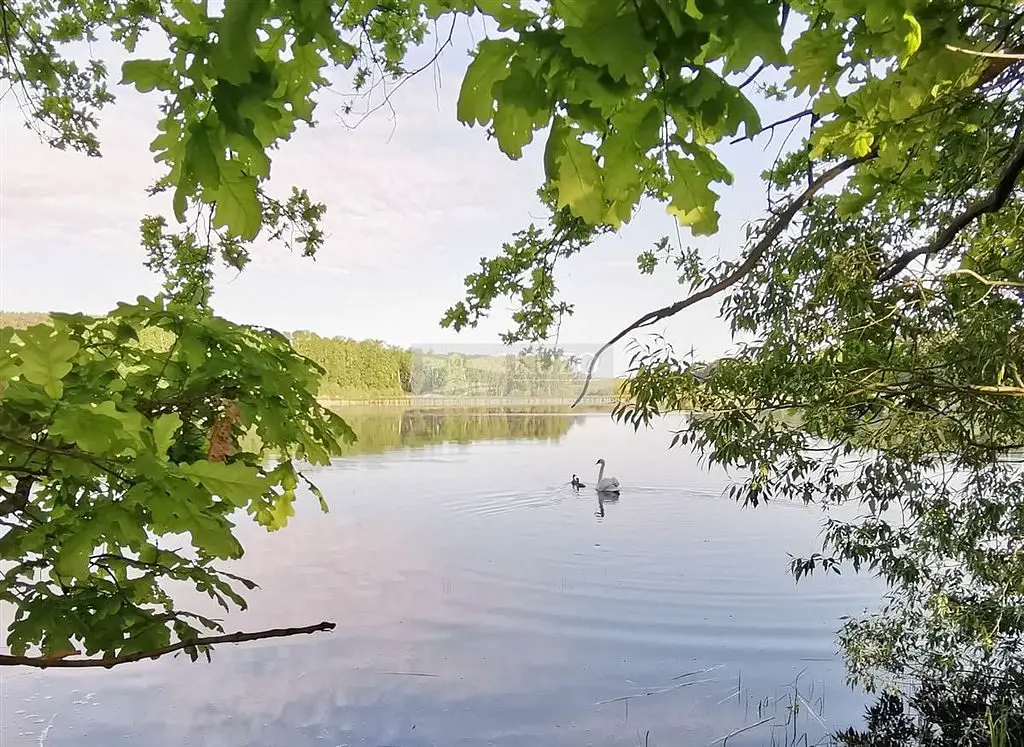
(490,65)
(827,103)
(46,356)
(851,203)
(814,57)
(578,184)
(619,155)
(215,538)
(237,39)
(98,427)
(238,206)
(164,428)
(861,144)
(523,107)
(912,37)
(692,200)
(89,432)
(507,13)
(73,556)
(434,9)
(149,75)
(201,157)
(251,154)
(706,162)
(608,34)
(193,350)
(636,128)
(236,483)
(595,88)
(674,15)
(756,34)
(276,515)
(692,10)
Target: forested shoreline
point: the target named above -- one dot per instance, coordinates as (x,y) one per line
(367,370)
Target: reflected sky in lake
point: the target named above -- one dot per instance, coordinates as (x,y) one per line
(480,600)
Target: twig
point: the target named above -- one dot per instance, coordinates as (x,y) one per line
(43,662)
(987,281)
(773,125)
(387,96)
(753,76)
(995,55)
(994,202)
(773,233)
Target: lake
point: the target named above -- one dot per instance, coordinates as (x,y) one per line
(480,600)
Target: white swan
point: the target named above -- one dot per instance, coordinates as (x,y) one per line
(606,484)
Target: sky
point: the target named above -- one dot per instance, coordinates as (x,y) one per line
(414,200)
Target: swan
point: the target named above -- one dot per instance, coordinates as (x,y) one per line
(606,484)
(576,482)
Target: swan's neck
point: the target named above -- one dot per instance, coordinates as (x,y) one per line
(600,473)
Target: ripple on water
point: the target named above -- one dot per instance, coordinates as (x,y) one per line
(479,564)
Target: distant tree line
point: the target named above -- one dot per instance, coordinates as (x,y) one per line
(357,369)
(363,369)
(372,369)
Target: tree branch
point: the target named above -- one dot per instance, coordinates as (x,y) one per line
(773,125)
(994,55)
(986,281)
(388,94)
(753,76)
(17,500)
(781,223)
(990,204)
(42,662)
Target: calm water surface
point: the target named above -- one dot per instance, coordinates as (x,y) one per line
(482,601)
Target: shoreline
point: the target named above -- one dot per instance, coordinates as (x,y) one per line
(590,403)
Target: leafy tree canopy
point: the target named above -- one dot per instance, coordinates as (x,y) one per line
(112,448)
(882,288)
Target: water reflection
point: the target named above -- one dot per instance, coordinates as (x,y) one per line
(603,498)
(482,566)
(387,429)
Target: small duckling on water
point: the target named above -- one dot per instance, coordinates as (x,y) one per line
(576,483)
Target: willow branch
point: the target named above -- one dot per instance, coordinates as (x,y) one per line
(43,662)
(771,235)
(990,204)
(986,281)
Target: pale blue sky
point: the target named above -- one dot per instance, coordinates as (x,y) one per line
(414,200)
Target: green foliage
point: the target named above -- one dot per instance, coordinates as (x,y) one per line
(524,374)
(369,369)
(357,369)
(886,316)
(235,86)
(121,468)
(963,711)
(635,113)
(885,369)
